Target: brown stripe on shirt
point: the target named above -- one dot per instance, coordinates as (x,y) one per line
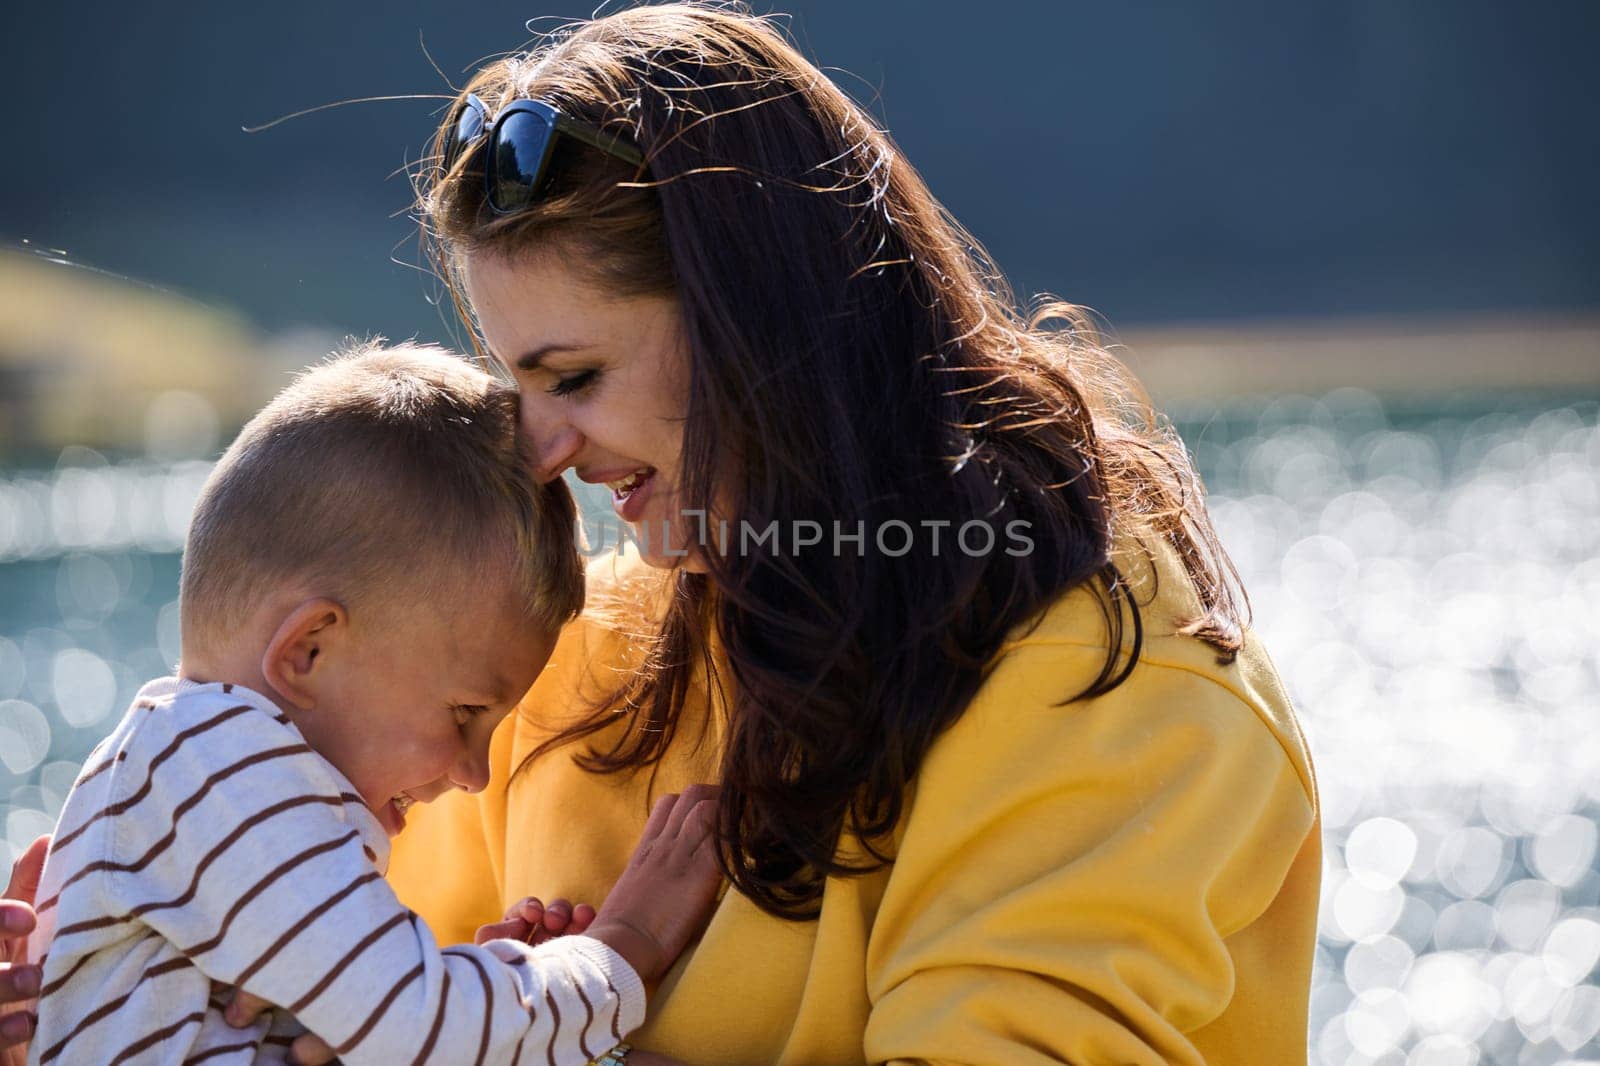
(488,1000)
(188,894)
(265,883)
(300,926)
(170,966)
(161,757)
(616,1015)
(583,1034)
(156,1037)
(107,764)
(555,1027)
(438,1022)
(339,967)
(155,850)
(64,978)
(382,1008)
(109,1008)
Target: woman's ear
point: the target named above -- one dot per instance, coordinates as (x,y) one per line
(295,662)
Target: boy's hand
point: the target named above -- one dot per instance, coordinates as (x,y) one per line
(308,1049)
(666,894)
(19,983)
(532,922)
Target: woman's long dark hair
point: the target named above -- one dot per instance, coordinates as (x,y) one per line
(854,358)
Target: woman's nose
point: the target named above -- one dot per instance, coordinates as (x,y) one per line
(553,440)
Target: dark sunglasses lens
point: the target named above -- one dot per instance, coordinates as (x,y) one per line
(521,145)
(468,128)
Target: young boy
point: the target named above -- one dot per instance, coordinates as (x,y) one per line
(370,584)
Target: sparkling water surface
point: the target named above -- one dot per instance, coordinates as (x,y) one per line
(1427,580)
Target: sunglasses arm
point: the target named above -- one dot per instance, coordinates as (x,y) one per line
(613,146)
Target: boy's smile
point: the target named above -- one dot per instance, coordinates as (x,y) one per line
(405,701)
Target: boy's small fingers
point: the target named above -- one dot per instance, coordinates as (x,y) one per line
(557,916)
(582,916)
(514,929)
(243,1009)
(529,909)
(309,1050)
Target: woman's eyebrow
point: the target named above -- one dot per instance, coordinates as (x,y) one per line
(530,360)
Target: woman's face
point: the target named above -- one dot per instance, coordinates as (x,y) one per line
(603,382)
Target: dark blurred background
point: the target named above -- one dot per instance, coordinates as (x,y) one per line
(1158,161)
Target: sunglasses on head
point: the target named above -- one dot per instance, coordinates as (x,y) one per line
(521,140)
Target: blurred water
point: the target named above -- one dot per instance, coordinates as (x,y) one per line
(1426,580)
(1427,583)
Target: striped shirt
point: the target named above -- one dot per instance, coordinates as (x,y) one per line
(206,846)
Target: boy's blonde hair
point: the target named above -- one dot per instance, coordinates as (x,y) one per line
(391,475)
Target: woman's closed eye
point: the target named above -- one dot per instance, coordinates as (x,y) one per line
(572,383)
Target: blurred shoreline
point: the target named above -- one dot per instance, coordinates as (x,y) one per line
(1401,358)
(95,361)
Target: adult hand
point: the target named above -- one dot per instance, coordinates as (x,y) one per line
(19,983)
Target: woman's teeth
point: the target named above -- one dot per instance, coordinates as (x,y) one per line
(625,487)
(402,802)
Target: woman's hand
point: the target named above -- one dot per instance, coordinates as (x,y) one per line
(19,984)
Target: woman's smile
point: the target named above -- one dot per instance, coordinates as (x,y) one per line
(631,494)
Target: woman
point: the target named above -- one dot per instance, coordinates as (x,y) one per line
(1040,801)
(1030,794)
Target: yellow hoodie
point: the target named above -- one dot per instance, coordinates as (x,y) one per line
(1128,879)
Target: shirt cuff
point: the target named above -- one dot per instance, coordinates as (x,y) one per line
(623,978)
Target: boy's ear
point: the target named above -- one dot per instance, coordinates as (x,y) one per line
(294,663)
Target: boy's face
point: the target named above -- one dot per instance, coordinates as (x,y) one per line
(407,701)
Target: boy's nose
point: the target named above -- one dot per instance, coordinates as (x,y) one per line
(472,773)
